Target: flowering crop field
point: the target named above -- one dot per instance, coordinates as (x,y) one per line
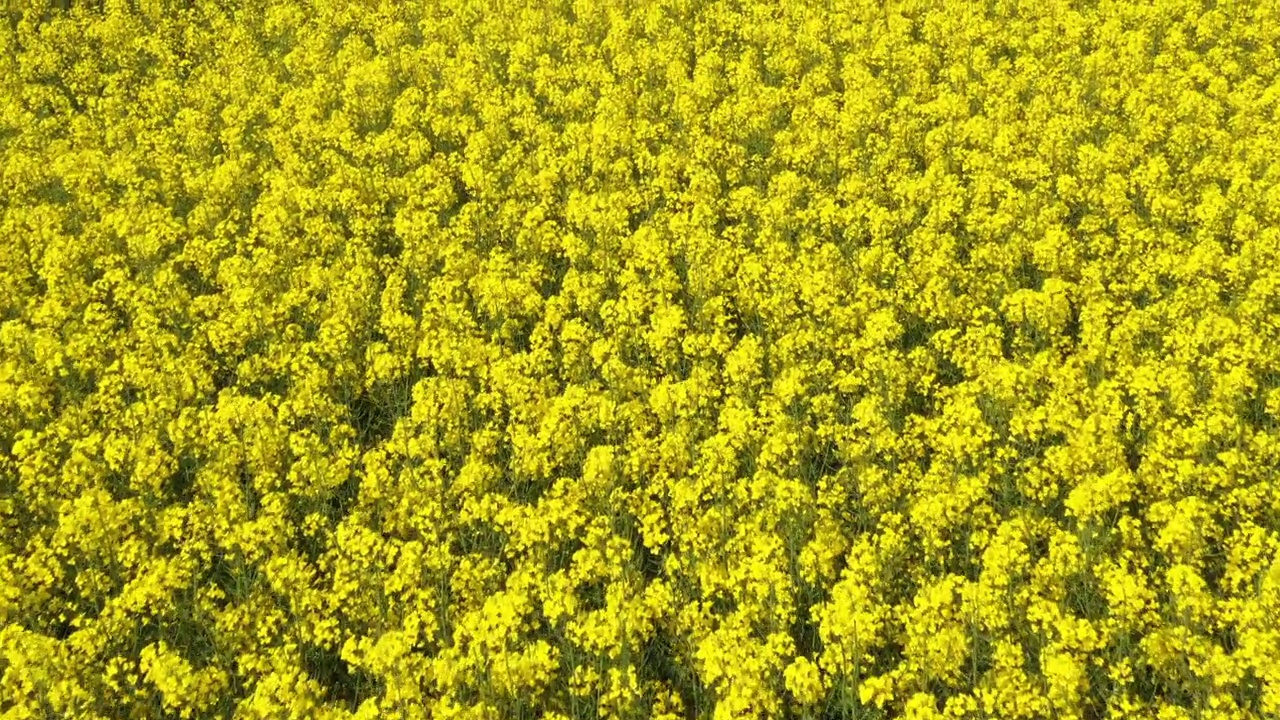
(615,359)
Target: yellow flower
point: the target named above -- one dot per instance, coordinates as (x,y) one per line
(804,681)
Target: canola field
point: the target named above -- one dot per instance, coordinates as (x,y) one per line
(576,359)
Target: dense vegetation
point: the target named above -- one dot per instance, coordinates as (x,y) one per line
(640,359)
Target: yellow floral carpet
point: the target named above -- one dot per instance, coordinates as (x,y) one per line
(610,359)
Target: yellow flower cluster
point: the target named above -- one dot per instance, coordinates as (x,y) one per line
(666,359)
